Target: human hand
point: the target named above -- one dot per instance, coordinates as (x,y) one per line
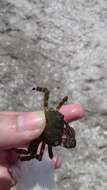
(18,129)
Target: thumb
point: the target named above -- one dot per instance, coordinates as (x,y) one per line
(19,128)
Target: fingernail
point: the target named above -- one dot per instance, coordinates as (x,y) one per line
(31,121)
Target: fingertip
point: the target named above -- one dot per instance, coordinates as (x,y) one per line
(72,112)
(57,161)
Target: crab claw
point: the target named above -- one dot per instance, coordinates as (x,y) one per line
(68,137)
(68,142)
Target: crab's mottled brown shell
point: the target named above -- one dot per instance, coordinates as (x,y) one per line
(54,127)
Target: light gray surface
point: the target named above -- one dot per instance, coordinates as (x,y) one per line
(35,175)
(61,45)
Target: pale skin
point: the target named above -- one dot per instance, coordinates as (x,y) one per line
(19,128)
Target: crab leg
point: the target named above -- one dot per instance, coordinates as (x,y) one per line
(70,134)
(14,181)
(69,130)
(26,158)
(46,95)
(21,151)
(25,152)
(40,155)
(50,151)
(32,150)
(62,102)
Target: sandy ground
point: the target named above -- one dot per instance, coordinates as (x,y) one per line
(61,45)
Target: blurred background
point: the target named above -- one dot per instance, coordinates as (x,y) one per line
(61,45)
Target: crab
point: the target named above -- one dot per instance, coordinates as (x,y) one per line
(57,132)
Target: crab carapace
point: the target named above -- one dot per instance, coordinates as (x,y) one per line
(56,132)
